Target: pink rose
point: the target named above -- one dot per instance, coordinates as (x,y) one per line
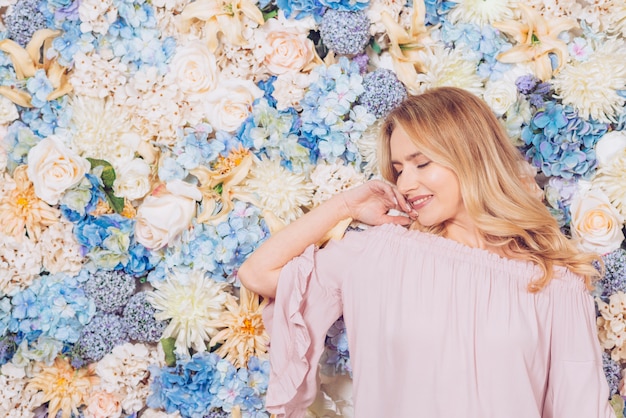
(102,404)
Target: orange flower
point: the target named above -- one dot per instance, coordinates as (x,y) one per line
(64,387)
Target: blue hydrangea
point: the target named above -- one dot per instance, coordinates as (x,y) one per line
(300,9)
(8,347)
(51,117)
(100,336)
(53,306)
(71,41)
(110,290)
(613,373)
(345,32)
(59,11)
(81,199)
(23,20)
(534,90)
(140,321)
(383,92)
(273,133)
(105,240)
(336,353)
(559,193)
(561,143)
(18,140)
(479,43)
(192,386)
(346,5)
(268,89)
(614,279)
(331,119)
(437,10)
(5,314)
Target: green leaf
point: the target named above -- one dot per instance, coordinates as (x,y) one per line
(108,172)
(268,15)
(117,203)
(375,47)
(169,344)
(219,188)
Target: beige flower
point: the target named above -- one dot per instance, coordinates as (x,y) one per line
(25,211)
(228,106)
(191,302)
(289,49)
(612,325)
(63,386)
(449,67)
(481,12)
(103,404)
(536,38)
(244,334)
(53,168)
(195,69)
(220,16)
(593,86)
(596,225)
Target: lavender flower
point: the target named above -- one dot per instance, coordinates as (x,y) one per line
(345,32)
(383,92)
(110,290)
(614,279)
(100,336)
(8,346)
(24,20)
(140,322)
(613,373)
(336,355)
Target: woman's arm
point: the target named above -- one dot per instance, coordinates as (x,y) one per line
(368,203)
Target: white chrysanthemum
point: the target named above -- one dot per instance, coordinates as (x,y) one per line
(101,130)
(124,372)
(60,250)
(278,190)
(612,325)
(611,179)
(191,302)
(617,18)
(367,145)
(331,179)
(592,86)
(481,12)
(452,68)
(16,399)
(20,263)
(95,76)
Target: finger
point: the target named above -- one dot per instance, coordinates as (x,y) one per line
(403,205)
(398,220)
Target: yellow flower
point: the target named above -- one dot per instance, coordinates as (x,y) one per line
(244,334)
(25,210)
(227,173)
(405,46)
(64,387)
(535,40)
(26,62)
(225,16)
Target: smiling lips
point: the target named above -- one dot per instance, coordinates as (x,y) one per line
(419,201)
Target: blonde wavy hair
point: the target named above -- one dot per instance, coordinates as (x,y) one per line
(458,130)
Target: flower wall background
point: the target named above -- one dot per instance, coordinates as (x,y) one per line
(147,147)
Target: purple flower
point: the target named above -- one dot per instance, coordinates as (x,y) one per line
(345,32)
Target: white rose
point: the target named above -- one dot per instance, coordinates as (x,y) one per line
(609,146)
(53,168)
(195,68)
(132,181)
(103,404)
(596,224)
(230,104)
(500,95)
(162,217)
(8,111)
(288,49)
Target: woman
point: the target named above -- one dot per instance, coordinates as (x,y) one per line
(480,309)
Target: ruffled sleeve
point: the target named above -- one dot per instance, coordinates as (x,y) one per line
(306,305)
(577,386)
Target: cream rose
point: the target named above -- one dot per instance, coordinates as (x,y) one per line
(229,105)
(53,168)
(500,96)
(165,214)
(102,404)
(195,68)
(8,111)
(596,224)
(288,50)
(133,180)
(609,146)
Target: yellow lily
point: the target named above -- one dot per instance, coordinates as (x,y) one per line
(233,171)
(535,40)
(405,45)
(225,16)
(27,61)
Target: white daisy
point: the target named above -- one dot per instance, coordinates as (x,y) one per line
(481,12)
(450,67)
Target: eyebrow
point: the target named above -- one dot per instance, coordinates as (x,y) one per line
(409,157)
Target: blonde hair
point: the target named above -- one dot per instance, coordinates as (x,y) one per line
(458,130)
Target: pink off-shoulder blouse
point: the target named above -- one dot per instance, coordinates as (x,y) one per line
(435,329)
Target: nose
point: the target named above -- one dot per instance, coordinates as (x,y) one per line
(407,181)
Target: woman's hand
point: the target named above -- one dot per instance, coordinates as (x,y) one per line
(370,203)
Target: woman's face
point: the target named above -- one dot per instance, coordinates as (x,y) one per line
(432,189)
